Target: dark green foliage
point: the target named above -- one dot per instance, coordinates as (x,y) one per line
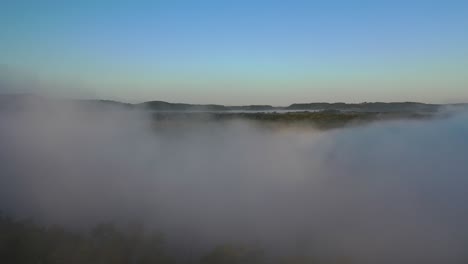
(26,242)
(326,119)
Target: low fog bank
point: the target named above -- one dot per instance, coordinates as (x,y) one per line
(392,192)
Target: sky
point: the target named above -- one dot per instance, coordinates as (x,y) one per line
(236,52)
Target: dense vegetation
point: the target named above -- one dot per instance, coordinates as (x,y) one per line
(321,119)
(26,242)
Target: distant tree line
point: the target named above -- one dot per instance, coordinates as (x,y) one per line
(325,119)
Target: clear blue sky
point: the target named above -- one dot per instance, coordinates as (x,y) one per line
(237,52)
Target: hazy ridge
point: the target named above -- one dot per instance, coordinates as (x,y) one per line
(12,100)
